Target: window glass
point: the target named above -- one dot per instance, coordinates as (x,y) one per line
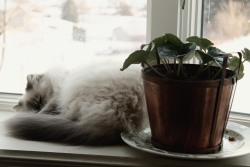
(38,34)
(227,24)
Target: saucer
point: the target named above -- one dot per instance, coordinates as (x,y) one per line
(236,142)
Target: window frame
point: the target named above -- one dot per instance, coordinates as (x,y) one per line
(157,11)
(8,100)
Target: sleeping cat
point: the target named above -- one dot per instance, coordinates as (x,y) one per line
(80,107)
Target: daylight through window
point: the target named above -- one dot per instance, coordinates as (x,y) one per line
(227,24)
(38,34)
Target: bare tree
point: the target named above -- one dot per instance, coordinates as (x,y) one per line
(225,20)
(3,32)
(124,9)
(232,20)
(69,11)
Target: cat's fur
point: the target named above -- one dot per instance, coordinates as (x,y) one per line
(80,107)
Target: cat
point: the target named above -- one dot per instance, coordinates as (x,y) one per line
(80,107)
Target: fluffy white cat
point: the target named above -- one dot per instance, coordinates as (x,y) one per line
(85,106)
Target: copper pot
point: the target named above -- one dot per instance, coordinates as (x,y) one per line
(188,116)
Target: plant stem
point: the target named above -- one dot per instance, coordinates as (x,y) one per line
(170,69)
(199,71)
(166,67)
(157,72)
(157,57)
(165,62)
(208,66)
(179,68)
(216,74)
(175,64)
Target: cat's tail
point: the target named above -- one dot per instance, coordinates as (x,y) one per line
(42,127)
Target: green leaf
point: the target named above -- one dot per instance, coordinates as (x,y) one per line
(174,40)
(234,64)
(217,54)
(246,54)
(171,51)
(203,43)
(187,51)
(152,60)
(137,57)
(144,45)
(168,50)
(158,41)
(170,39)
(206,58)
(203,57)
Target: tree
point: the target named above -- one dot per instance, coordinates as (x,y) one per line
(69,11)
(124,9)
(3,32)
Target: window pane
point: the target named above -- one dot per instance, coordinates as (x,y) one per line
(39,34)
(227,24)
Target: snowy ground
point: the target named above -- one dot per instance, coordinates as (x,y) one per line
(50,43)
(241,99)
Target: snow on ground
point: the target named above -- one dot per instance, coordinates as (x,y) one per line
(49,42)
(241,99)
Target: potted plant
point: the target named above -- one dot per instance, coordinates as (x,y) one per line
(188,104)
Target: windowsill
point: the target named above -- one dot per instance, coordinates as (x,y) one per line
(30,153)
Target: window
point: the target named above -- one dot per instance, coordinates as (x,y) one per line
(42,35)
(163,16)
(227,24)
(37,35)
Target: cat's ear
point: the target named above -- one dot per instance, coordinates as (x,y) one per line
(32,80)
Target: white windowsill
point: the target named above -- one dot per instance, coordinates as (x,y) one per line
(30,153)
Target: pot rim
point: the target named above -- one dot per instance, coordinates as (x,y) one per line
(157,79)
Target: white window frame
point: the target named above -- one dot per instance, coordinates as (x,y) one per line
(158,11)
(181,22)
(8,100)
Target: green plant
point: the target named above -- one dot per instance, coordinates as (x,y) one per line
(169,49)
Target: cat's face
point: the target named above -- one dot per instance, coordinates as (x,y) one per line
(37,93)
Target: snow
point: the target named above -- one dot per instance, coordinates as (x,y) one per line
(38,39)
(241,99)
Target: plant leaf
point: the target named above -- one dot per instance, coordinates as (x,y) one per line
(167,50)
(203,57)
(167,38)
(206,58)
(158,41)
(171,51)
(203,43)
(137,57)
(234,64)
(144,45)
(246,54)
(217,54)
(174,40)
(187,51)
(152,60)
